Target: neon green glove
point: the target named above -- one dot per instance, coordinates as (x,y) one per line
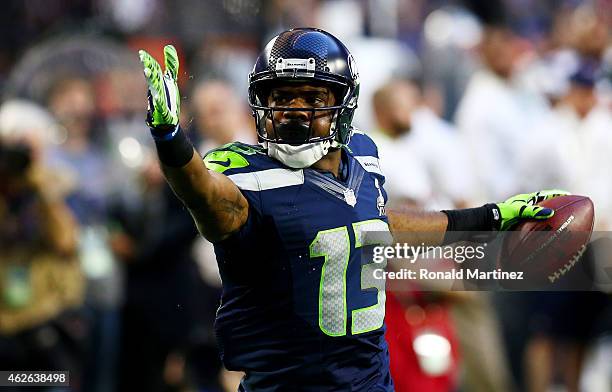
(524,206)
(164,99)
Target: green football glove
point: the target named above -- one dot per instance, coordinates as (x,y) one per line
(164,99)
(524,206)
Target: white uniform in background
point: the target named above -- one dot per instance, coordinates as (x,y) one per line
(496,118)
(598,185)
(427,165)
(574,154)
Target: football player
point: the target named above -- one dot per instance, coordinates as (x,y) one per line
(289,217)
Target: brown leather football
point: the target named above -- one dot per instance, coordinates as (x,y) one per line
(549,251)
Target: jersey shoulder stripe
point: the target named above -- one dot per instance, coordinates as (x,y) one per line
(267,179)
(370,163)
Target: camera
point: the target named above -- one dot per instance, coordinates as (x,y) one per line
(15,158)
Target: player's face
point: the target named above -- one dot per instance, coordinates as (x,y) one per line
(296,126)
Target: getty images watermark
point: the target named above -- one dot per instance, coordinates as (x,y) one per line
(436,254)
(413,253)
(504,262)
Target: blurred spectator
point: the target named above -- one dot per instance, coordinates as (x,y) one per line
(450,37)
(495,116)
(590,30)
(167,340)
(598,127)
(72,101)
(568,145)
(561,327)
(485,366)
(400,62)
(564,151)
(40,277)
(119,94)
(548,75)
(24,119)
(422,157)
(219,115)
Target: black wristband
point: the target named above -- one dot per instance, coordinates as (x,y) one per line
(176,151)
(472,224)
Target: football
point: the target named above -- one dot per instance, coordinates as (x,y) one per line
(548,252)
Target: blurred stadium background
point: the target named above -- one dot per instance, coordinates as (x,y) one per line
(469,101)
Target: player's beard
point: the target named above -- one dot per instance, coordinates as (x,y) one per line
(294,132)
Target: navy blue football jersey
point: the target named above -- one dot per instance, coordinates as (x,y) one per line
(300,308)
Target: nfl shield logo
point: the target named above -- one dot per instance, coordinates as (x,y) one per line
(349,197)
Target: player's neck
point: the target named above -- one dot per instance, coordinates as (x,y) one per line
(330,162)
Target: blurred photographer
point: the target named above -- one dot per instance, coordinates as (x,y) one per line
(40,278)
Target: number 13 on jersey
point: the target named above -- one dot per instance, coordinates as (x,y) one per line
(335,247)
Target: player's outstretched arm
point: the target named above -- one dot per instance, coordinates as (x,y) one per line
(435,228)
(214,201)
(427,227)
(216,204)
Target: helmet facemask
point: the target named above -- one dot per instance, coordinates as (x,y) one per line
(293,132)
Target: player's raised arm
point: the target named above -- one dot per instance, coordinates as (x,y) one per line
(435,228)
(215,202)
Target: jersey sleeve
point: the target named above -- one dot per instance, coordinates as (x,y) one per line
(233,158)
(237,161)
(365,151)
